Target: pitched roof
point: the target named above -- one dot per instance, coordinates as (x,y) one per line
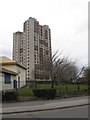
(6,61)
(4,70)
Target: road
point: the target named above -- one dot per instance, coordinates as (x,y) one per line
(74,112)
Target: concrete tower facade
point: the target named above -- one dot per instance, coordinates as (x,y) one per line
(36,48)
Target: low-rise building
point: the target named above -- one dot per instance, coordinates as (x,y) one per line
(12,74)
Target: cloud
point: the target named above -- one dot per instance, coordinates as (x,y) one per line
(67,20)
(6,50)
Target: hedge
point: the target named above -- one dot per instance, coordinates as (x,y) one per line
(9,95)
(45,93)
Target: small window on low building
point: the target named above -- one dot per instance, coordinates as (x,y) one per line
(7,78)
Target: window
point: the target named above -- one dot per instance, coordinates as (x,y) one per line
(46,34)
(35,57)
(7,78)
(34,38)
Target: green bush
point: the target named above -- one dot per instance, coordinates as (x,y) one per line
(45,93)
(9,96)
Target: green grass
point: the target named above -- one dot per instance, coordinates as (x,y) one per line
(43,86)
(25,92)
(71,88)
(61,89)
(83,87)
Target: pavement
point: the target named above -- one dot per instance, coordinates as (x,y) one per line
(33,106)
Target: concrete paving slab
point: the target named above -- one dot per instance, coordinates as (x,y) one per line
(46,106)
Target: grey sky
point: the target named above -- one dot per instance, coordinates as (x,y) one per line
(67,19)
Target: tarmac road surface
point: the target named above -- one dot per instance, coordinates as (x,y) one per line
(74,112)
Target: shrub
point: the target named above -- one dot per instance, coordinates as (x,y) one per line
(9,95)
(45,93)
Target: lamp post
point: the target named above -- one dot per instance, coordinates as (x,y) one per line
(35,80)
(18,79)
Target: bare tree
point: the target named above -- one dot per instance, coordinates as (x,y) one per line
(61,69)
(86,74)
(78,75)
(66,72)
